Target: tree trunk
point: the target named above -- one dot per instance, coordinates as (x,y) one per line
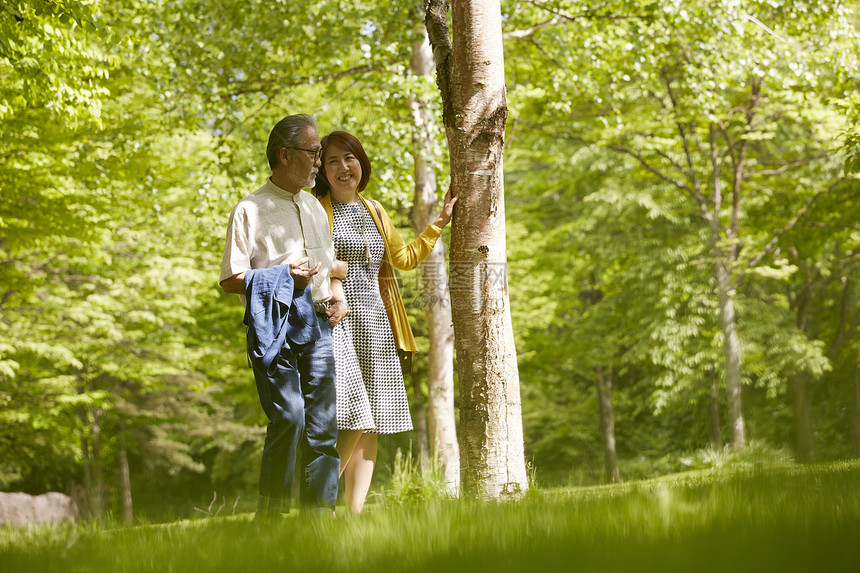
(799,387)
(724,258)
(603,383)
(125,480)
(86,507)
(714,427)
(842,336)
(419,417)
(471,79)
(732,349)
(91,450)
(842,328)
(442,430)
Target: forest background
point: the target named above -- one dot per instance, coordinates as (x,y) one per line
(668,166)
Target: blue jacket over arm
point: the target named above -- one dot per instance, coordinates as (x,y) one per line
(275,315)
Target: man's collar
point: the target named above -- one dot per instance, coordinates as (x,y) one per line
(280,191)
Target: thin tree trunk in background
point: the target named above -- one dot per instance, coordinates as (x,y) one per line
(471,78)
(732,349)
(441,421)
(839,340)
(86,507)
(715,431)
(603,383)
(842,328)
(725,259)
(419,418)
(91,450)
(125,480)
(799,388)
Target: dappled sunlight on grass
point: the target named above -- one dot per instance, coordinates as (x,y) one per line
(788,518)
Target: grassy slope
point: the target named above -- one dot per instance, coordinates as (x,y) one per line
(744,519)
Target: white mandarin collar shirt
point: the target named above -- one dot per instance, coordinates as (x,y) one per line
(272,226)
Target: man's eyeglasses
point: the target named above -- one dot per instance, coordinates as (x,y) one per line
(317,153)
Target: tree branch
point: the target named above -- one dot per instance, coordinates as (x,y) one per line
(531,29)
(771,32)
(589,12)
(695,191)
(854,258)
(544,52)
(691,171)
(730,144)
(560,18)
(715,171)
(6,296)
(738,174)
(703,207)
(769,248)
(674,163)
(789,165)
(281,85)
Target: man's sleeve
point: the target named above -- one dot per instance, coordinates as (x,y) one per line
(237,251)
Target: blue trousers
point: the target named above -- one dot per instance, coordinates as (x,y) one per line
(299,400)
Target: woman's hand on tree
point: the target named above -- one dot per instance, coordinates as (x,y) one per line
(447,210)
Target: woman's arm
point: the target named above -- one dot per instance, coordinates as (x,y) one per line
(339,269)
(407,256)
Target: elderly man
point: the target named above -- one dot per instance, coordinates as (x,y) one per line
(279,257)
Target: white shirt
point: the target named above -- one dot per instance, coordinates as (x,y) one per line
(272,226)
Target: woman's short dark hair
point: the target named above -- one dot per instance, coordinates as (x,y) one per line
(351,144)
(287,133)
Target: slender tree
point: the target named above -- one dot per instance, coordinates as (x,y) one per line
(603,383)
(440,361)
(471,78)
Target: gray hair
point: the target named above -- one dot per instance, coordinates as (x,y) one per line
(287,133)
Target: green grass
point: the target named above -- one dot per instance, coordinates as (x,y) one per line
(788,518)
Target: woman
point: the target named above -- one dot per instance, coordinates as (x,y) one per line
(368,342)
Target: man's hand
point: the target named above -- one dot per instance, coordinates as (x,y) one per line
(302,276)
(337,311)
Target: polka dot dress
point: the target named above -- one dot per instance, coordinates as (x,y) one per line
(370,391)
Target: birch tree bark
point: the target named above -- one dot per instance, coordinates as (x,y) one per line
(471,78)
(441,421)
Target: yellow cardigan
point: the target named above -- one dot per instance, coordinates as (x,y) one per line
(397,254)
